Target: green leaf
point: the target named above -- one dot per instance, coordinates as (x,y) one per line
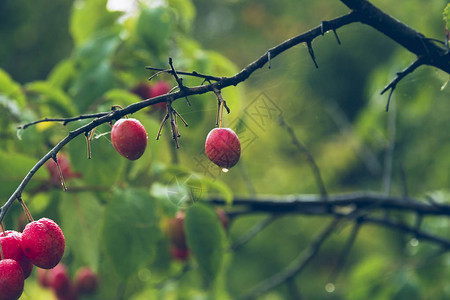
(205,238)
(184,13)
(95,73)
(13,169)
(155,27)
(130,230)
(170,197)
(121,97)
(11,89)
(81,215)
(53,98)
(62,73)
(218,187)
(89,17)
(447,16)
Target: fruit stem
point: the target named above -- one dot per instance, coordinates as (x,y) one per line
(114,107)
(221,104)
(1,252)
(3,229)
(60,173)
(221,114)
(88,143)
(161,126)
(25,209)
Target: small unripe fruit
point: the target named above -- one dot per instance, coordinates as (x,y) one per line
(176,231)
(223,217)
(43,243)
(43,277)
(59,280)
(158,89)
(129,138)
(86,281)
(143,90)
(146,91)
(70,295)
(179,254)
(223,147)
(11,242)
(11,280)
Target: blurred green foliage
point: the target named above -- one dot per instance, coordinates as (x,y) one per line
(65,58)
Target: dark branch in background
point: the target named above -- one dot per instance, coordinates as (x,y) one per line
(428,52)
(310,159)
(295,267)
(345,253)
(425,48)
(253,232)
(64,121)
(344,209)
(317,205)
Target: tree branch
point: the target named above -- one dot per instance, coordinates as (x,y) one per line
(184,91)
(412,40)
(317,205)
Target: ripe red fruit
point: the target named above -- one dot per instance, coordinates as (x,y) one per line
(43,243)
(222,147)
(146,91)
(11,279)
(143,90)
(129,138)
(59,279)
(43,277)
(179,254)
(66,169)
(86,281)
(11,242)
(175,228)
(158,89)
(223,217)
(71,294)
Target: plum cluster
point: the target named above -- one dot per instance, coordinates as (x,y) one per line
(58,279)
(41,244)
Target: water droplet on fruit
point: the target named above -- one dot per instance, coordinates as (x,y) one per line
(330,288)
(225,170)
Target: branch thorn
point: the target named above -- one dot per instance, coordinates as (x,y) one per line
(63,184)
(311,52)
(337,37)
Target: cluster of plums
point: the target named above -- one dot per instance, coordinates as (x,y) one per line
(58,279)
(129,136)
(41,244)
(177,237)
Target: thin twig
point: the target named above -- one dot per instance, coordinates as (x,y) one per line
(389,154)
(194,74)
(295,267)
(400,75)
(65,121)
(345,253)
(310,159)
(253,232)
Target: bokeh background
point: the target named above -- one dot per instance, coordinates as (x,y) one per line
(65,58)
